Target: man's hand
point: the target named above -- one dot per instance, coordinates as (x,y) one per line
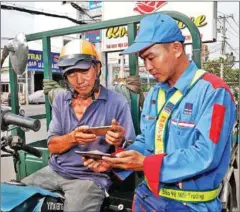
(80,135)
(116,135)
(48,85)
(96,165)
(130,160)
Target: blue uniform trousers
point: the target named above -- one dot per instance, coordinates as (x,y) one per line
(145,201)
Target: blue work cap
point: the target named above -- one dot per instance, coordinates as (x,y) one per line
(156,28)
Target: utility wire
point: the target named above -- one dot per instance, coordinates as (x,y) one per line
(232,48)
(231,26)
(219,20)
(221,12)
(34,12)
(235,21)
(231,33)
(214,47)
(39,9)
(213,51)
(81,10)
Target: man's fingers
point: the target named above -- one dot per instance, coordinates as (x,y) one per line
(114,122)
(95,165)
(82,128)
(91,165)
(110,138)
(86,161)
(109,141)
(114,160)
(113,141)
(116,128)
(125,154)
(84,135)
(84,141)
(114,134)
(101,166)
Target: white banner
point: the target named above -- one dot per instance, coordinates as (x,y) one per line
(203,14)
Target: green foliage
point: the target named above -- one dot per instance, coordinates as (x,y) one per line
(145,87)
(236,93)
(230,74)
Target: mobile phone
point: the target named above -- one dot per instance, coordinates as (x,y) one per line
(93,155)
(99,131)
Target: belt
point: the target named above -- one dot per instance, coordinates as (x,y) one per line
(189,196)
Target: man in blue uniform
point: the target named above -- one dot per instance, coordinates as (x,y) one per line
(186,124)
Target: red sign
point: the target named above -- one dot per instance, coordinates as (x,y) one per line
(145,7)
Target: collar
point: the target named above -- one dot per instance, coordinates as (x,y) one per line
(184,80)
(102,96)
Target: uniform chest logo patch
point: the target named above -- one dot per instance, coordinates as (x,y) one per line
(188,108)
(169,107)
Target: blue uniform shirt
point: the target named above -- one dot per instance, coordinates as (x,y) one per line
(107,106)
(198,138)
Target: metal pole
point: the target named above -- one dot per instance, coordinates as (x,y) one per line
(224,36)
(221,70)
(121,72)
(238,115)
(26,83)
(224,18)
(46,42)
(133,70)
(105,65)
(32,81)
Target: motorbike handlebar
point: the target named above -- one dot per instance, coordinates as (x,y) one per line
(16,143)
(9,118)
(32,150)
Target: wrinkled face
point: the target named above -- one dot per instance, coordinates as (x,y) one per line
(83,81)
(161,59)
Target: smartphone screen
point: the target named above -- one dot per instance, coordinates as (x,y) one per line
(93,155)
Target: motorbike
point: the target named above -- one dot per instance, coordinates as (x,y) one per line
(16,196)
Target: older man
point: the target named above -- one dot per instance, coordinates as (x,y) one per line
(84,104)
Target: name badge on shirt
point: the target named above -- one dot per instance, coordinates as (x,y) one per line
(151,117)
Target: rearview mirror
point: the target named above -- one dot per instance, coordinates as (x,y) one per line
(17,49)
